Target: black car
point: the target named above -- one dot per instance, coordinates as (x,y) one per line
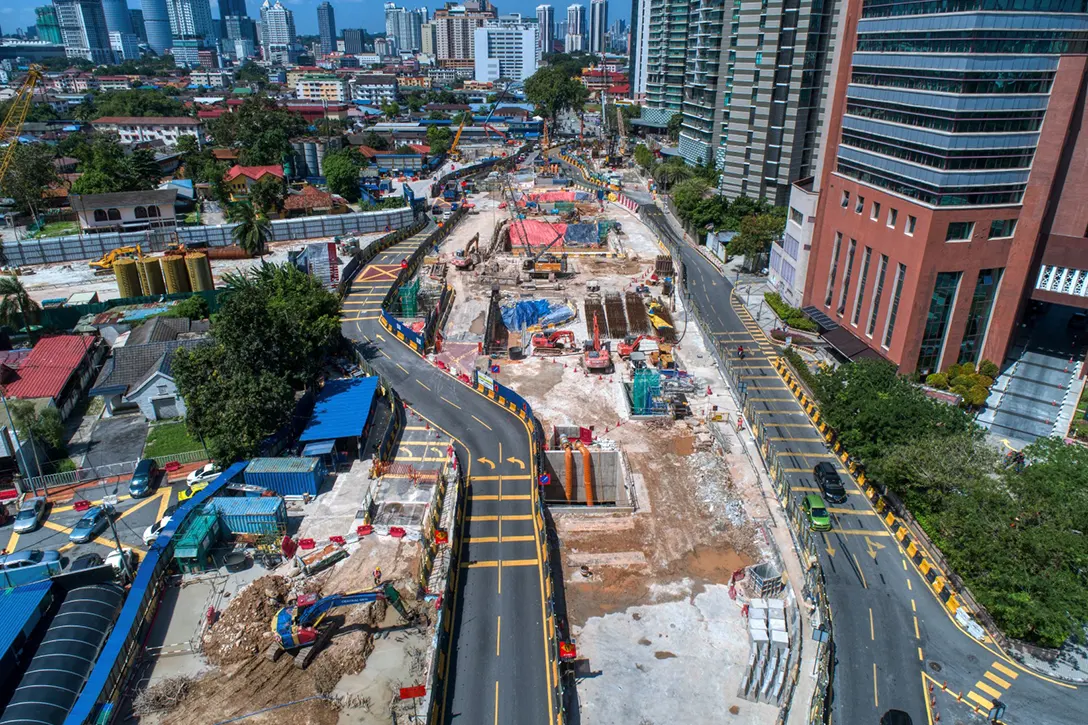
(830,482)
(87,561)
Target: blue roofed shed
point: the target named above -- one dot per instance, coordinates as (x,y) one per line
(21,611)
(342,414)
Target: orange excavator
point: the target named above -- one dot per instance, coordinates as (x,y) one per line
(631,343)
(557,343)
(468,257)
(598,356)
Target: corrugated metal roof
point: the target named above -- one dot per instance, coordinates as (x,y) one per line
(46,370)
(17,606)
(342,409)
(235,505)
(282,465)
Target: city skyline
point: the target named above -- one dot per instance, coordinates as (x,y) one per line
(349,13)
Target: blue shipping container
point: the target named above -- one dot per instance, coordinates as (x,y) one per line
(239,515)
(287,476)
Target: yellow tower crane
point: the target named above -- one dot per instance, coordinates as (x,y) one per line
(13,122)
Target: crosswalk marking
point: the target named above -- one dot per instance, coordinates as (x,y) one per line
(996,680)
(987,689)
(1006,670)
(980,700)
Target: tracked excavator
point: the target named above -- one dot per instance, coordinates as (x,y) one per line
(598,355)
(304,628)
(469,257)
(557,343)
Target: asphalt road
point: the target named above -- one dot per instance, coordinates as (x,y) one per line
(891,632)
(499,669)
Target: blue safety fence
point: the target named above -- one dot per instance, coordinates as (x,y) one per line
(102,693)
(402,332)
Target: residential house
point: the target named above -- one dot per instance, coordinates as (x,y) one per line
(139,374)
(55,372)
(374,88)
(311,201)
(150,128)
(126,211)
(240,179)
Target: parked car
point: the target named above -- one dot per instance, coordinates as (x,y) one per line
(191,490)
(818,517)
(94,521)
(27,558)
(86,561)
(144,478)
(114,560)
(30,516)
(829,482)
(207,472)
(152,532)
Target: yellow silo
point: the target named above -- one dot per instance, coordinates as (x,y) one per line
(200,271)
(128,278)
(151,281)
(175,274)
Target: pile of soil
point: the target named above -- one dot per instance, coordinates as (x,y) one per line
(243,629)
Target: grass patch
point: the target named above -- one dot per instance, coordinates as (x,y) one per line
(56,229)
(167,439)
(792,316)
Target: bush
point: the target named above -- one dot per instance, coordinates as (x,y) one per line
(961,381)
(976,396)
(801,368)
(989,369)
(789,314)
(937,380)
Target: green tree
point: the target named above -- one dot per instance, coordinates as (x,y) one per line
(142,170)
(267,195)
(674,124)
(31,172)
(643,156)
(17,309)
(250,72)
(687,195)
(439,139)
(757,233)
(342,173)
(44,426)
(138,102)
(253,229)
(671,172)
(375,141)
(391,110)
(261,129)
(193,308)
(552,90)
(415,102)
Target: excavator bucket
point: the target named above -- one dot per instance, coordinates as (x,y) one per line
(393,597)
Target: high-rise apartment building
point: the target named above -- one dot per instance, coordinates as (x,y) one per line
(125,45)
(191,20)
(326,27)
(507,48)
(83,30)
(278,33)
(638,50)
(575,39)
(48,28)
(941,215)
(666,54)
(232,8)
(545,19)
(157,24)
(353,40)
(136,17)
(404,26)
(598,25)
(117,18)
(455,28)
(428,39)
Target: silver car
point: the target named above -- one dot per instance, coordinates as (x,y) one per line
(31,514)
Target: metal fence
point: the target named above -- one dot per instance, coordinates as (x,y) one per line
(97,473)
(92,246)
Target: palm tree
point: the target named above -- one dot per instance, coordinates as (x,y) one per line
(253,230)
(15,303)
(670,172)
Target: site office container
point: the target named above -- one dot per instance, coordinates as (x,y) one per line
(287,476)
(262,516)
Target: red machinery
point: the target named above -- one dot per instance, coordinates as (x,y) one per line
(598,357)
(557,343)
(631,343)
(468,257)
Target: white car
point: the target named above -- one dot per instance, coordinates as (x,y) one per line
(205,473)
(114,560)
(152,532)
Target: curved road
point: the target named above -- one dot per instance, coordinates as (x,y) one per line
(893,637)
(499,669)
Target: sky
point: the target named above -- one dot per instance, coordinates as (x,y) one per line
(349,13)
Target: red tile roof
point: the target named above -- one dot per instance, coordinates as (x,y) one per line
(46,370)
(145,121)
(253,172)
(309,198)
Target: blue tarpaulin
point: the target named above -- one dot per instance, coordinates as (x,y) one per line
(581,234)
(527,313)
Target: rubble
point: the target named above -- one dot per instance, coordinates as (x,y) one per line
(242,630)
(163,695)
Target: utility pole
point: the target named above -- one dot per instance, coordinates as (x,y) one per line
(125,565)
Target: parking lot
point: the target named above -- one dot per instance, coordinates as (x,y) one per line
(131,517)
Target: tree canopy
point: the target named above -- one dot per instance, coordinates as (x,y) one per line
(30,173)
(261,130)
(756,234)
(270,338)
(439,138)
(342,173)
(106,169)
(552,90)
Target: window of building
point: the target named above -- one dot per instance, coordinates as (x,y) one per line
(790,245)
(959,232)
(834,267)
(845,199)
(877,293)
(940,311)
(861,285)
(897,293)
(797,217)
(141,212)
(114,215)
(874,214)
(100,215)
(978,316)
(893,217)
(911,223)
(1001,228)
(846,276)
(859,205)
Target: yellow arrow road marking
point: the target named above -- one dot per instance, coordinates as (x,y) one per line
(487,462)
(873,547)
(827,546)
(518,461)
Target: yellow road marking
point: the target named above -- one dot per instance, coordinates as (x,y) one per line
(13,542)
(1006,670)
(916,634)
(516,497)
(853,512)
(164,504)
(872,632)
(996,680)
(423,384)
(504,478)
(517,517)
(482,540)
(920,657)
(358,319)
(455,405)
(859,532)
(516,538)
(485,425)
(498,632)
(485,497)
(909,587)
(876,698)
(520,562)
(860,573)
(478,564)
(496,702)
(988,689)
(477,519)
(980,700)
(913,606)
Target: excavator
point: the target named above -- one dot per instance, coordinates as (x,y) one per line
(105,264)
(598,356)
(468,257)
(557,343)
(631,343)
(303,629)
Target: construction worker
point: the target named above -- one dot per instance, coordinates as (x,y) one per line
(377,576)
(404,264)
(740,351)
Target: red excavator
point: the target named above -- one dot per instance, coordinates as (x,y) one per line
(598,356)
(468,257)
(631,343)
(557,343)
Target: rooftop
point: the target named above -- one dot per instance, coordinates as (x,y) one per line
(125,198)
(342,409)
(46,370)
(253,172)
(146,121)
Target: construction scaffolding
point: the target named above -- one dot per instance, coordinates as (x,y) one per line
(409,298)
(646,393)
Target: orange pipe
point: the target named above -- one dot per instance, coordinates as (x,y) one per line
(569,487)
(587,475)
